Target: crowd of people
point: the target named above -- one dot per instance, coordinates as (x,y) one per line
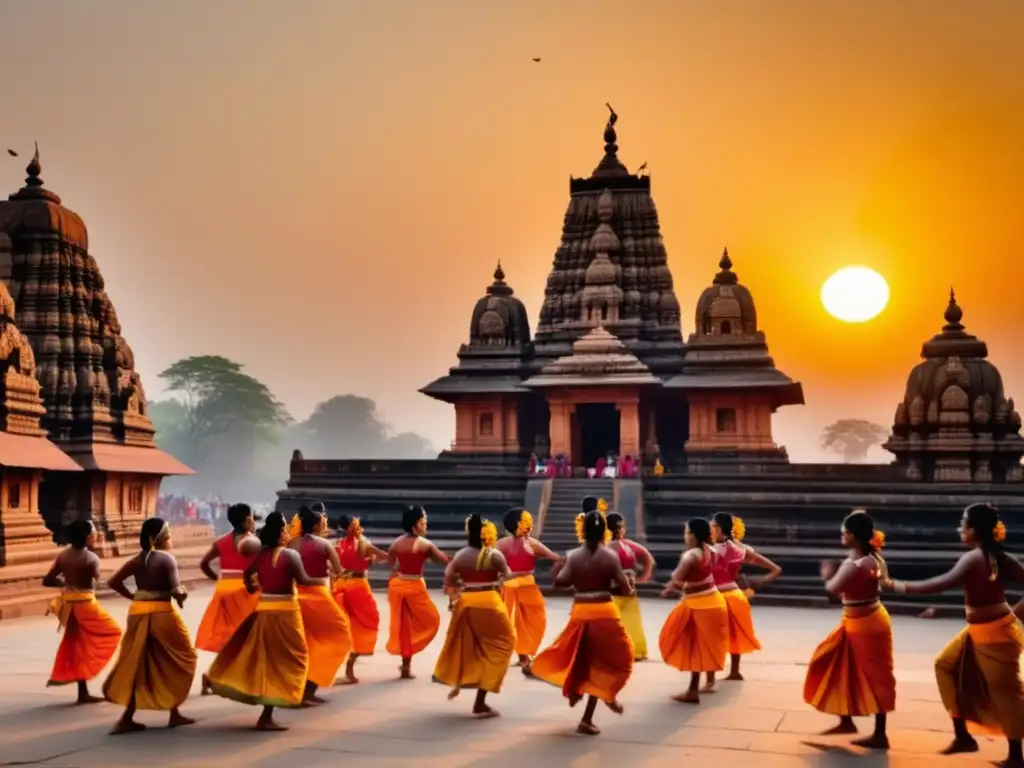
(291,607)
(177,508)
(608,466)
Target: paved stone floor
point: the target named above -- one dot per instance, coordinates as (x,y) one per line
(383,722)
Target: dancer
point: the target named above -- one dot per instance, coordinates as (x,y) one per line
(326,626)
(638,564)
(727,532)
(695,637)
(593,656)
(352,591)
(90,635)
(231,603)
(265,661)
(523,600)
(979,671)
(481,637)
(414,617)
(157,662)
(851,672)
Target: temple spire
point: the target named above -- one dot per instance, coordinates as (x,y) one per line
(33,169)
(726,276)
(953,314)
(610,164)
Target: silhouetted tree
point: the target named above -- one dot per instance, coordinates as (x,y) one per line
(852,438)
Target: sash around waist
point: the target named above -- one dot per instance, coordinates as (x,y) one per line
(483,598)
(491,586)
(231,575)
(151,596)
(709,599)
(352,575)
(1005,629)
(409,576)
(520,580)
(594,611)
(78,596)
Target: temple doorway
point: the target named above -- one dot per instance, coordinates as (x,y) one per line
(599,431)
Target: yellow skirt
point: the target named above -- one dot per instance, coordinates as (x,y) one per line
(90,638)
(629,609)
(479,643)
(157,662)
(742,638)
(354,597)
(264,663)
(592,657)
(414,617)
(979,677)
(695,637)
(851,672)
(230,605)
(525,605)
(328,634)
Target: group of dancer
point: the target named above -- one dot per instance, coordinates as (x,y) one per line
(290,608)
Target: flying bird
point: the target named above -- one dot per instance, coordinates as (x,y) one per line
(641,169)
(536,60)
(12,153)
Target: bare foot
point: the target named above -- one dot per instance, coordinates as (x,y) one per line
(588,729)
(207,688)
(1009,763)
(575,699)
(177,720)
(406,673)
(127,726)
(927,613)
(484,712)
(640,658)
(734,676)
(844,727)
(453,693)
(89,699)
(615,706)
(709,687)
(348,679)
(314,699)
(269,725)
(960,746)
(874,741)
(527,669)
(690,697)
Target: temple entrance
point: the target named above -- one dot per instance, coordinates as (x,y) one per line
(599,431)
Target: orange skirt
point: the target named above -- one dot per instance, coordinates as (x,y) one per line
(742,638)
(478,645)
(851,672)
(592,657)
(526,608)
(979,677)
(354,597)
(90,638)
(230,605)
(414,617)
(327,631)
(695,637)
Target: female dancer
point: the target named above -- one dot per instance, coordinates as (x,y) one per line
(352,591)
(231,603)
(695,637)
(414,617)
(90,635)
(979,671)
(326,627)
(593,656)
(638,564)
(480,637)
(727,533)
(157,662)
(264,663)
(851,672)
(523,600)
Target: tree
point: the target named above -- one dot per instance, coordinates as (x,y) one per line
(409,445)
(852,438)
(349,426)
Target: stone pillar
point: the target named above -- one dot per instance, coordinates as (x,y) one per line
(560,428)
(25,538)
(629,428)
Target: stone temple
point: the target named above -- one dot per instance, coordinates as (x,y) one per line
(76,440)
(608,371)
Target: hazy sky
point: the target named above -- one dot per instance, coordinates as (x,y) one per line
(320,188)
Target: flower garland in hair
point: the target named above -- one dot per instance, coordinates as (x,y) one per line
(580,518)
(355,529)
(999,532)
(602,507)
(739,529)
(488,534)
(877,539)
(525,524)
(295,527)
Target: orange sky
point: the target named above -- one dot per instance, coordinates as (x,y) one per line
(320,189)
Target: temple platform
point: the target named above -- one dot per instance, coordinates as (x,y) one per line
(760,723)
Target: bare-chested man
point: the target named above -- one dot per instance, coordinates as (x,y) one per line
(156,638)
(593,656)
(90,635)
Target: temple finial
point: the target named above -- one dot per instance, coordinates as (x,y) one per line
(725,263)
(33,169)
(953,314)
(499,273)
(609,131)
(726,276)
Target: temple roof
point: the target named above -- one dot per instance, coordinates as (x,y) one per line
(597,359)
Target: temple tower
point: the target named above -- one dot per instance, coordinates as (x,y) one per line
(731,384)
(611,262)
(955,424)
(95,405)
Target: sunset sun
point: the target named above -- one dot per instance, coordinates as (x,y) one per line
(855,294)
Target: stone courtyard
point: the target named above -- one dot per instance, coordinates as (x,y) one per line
(384,722)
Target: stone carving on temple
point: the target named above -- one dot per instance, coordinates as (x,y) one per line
(955,423)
